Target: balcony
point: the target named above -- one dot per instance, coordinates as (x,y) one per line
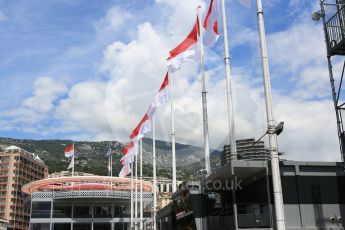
(335,28)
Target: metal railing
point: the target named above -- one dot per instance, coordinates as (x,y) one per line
(87,194)
(335,27)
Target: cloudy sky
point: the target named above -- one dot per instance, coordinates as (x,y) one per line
(87,70)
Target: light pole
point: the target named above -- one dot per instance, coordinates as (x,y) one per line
(278,130)
(276,181)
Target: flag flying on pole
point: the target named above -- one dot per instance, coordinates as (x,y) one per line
(186,51)
(128,153)
(69,151)
(145,124)
(211,24)
(108,154)
(128,147)
(71,163)
(143,127)
(126,169)
(161,96)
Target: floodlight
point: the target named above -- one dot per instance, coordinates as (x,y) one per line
(279,128)
(317,15)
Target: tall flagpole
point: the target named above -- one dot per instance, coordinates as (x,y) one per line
(277,188)
(141,184)
(231,122)
(136,194)
(108,166)
(173,153)
(111,165)
(204,99)
(111,170)
(73,160)
(132,211)
(154,172)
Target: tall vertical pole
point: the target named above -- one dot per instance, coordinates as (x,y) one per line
(231,122)
(204,99)
(277,190)
(73,160)
(141,185)
(173,153)
(108,166)
(111,171)
(154,172)
(132,210)
(111,166)
(136,194)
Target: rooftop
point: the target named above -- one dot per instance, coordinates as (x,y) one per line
(15,149)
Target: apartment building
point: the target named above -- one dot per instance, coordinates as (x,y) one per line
(17,167)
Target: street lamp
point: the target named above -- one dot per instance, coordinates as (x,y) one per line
(277,130)
(317,15)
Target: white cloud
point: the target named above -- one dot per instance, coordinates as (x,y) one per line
(300,45)
(310,129)
(113,20)
(84,107)
(45,93)
(31,115)
(111,109)
(177,15)
(136,69)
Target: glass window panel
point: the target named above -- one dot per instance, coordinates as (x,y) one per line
(102,226)
(62,211)
(40,227)
(120,226)
(102,211)
(40,210)
(79,226)
(82,211)
(120,211)
(62,226)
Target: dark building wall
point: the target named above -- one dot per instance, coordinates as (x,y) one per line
(313,195)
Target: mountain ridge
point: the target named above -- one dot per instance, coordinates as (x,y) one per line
(90,156)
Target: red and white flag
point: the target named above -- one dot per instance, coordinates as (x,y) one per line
(128,148)
(71,163)
(186,51)
(126,169)
(69,151)
(162,96)
(129,152)
(211,24)
(143,127)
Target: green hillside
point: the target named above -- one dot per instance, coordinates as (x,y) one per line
(90,156)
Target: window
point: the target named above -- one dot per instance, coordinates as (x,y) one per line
(120,211)
(79,226)
(40,226)
(40,210)
(102,226)
(102,211)
(120,226)
(82,211)
(62,226)
(62,211)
